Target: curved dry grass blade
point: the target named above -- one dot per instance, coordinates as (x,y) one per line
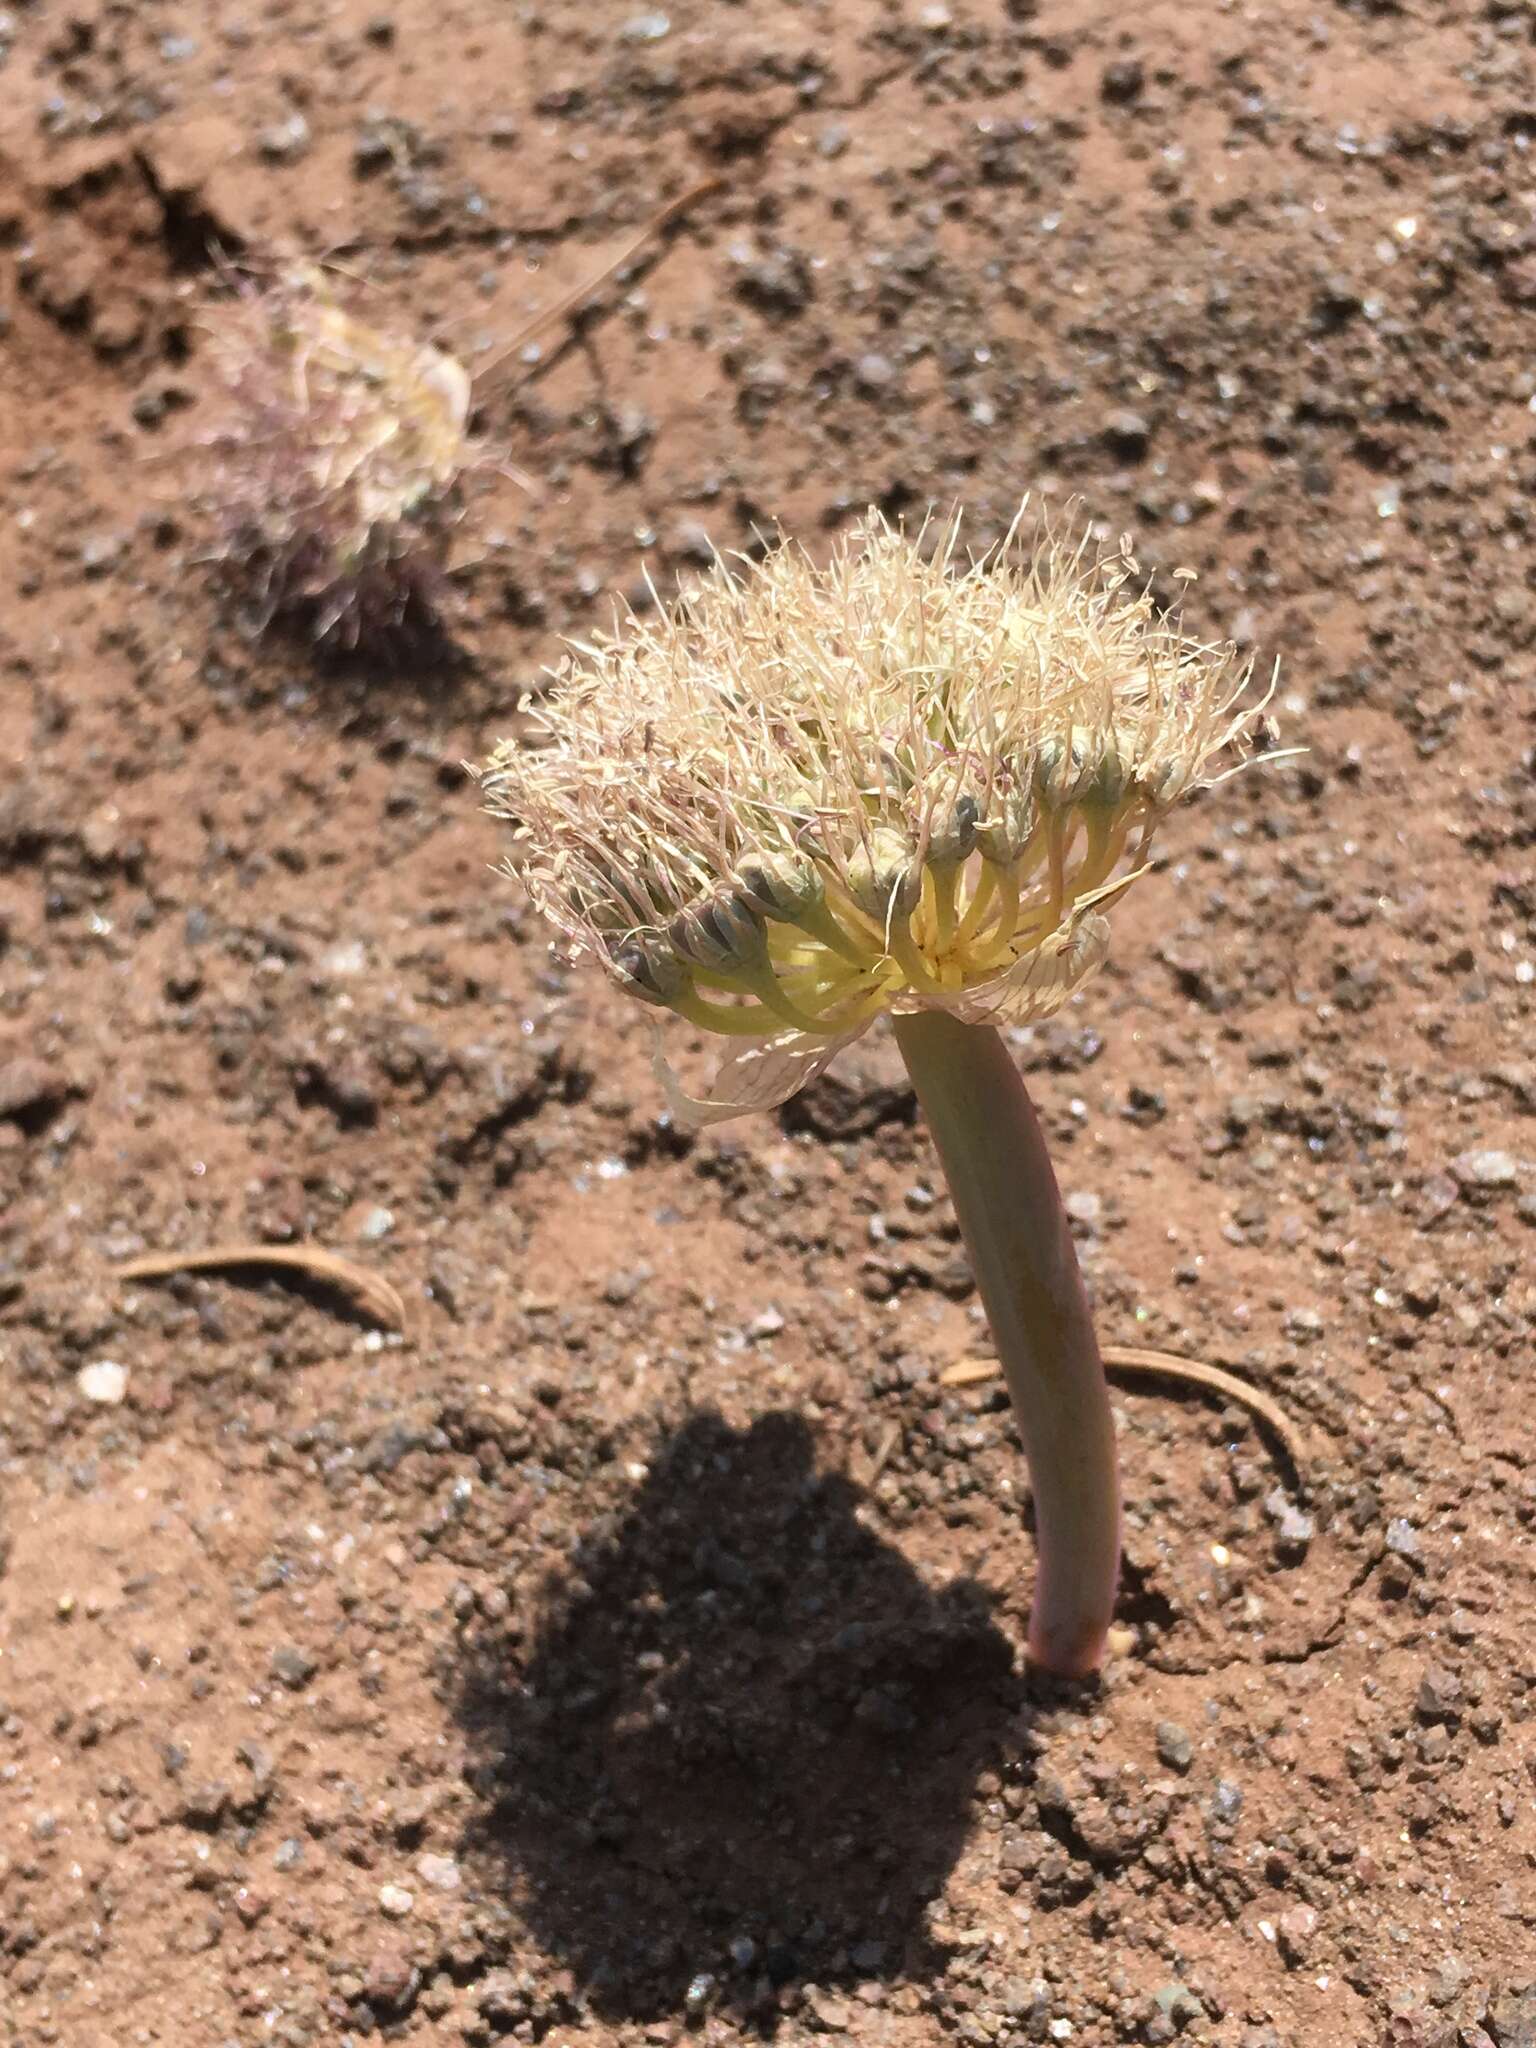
(1194,1372)
(572,301)
(970,1372)
(371,1292)
(1127,1361)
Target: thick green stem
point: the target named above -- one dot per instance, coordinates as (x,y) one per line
(1016,1231)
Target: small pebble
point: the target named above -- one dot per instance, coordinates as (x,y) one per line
(874,372)
(1439,1696)
(1303,1324)
(1294,1527)
(101,553)
(205,1804)
(1127,434)
(1294,1931)
(1437,1200)
(350,957)
(283,141)
(1178,2004)
(622,1287)
(831,2014)
(1174,1747)
(701,1989)
(1227,1801)
(293,1667)
(106,1382)
(392,1981)
(1486,1171)
(1434,1744)
(395,1901)
(30,1087)
(1421,1289)
(1122,81)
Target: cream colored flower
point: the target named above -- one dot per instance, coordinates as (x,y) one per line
(389,414)
(338,462)
(806,796)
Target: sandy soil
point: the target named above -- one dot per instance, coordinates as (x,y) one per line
(631,1649)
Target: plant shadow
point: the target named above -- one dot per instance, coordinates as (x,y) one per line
(418,653)
(740,1754)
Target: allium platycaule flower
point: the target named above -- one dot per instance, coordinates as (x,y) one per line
(339,462)
(900,785)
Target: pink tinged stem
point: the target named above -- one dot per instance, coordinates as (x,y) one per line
(1016,1231)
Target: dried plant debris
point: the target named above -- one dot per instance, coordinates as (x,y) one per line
(1133,1363)
(371,1293)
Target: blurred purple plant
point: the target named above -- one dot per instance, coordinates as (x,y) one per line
(335,475)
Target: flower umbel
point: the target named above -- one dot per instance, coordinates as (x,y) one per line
(900,783)
(338,466)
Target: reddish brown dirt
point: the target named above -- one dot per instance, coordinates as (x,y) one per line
(566,1671)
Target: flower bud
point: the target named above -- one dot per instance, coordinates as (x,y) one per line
(645,966)
(1112,771)
(1162,782)
(1063,768)
(781,885)
(952,839)
(724,933)
(883,877)
(1010,821)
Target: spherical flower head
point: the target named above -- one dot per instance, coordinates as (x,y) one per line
(339,459)
(807,796)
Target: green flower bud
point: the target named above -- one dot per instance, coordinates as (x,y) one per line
(645,966)
(724,933)
(1063,768)
(781,885)
(953,839)
(1010,821)
(883,877)
(1112,773)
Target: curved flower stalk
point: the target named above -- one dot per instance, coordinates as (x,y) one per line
(900,785)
